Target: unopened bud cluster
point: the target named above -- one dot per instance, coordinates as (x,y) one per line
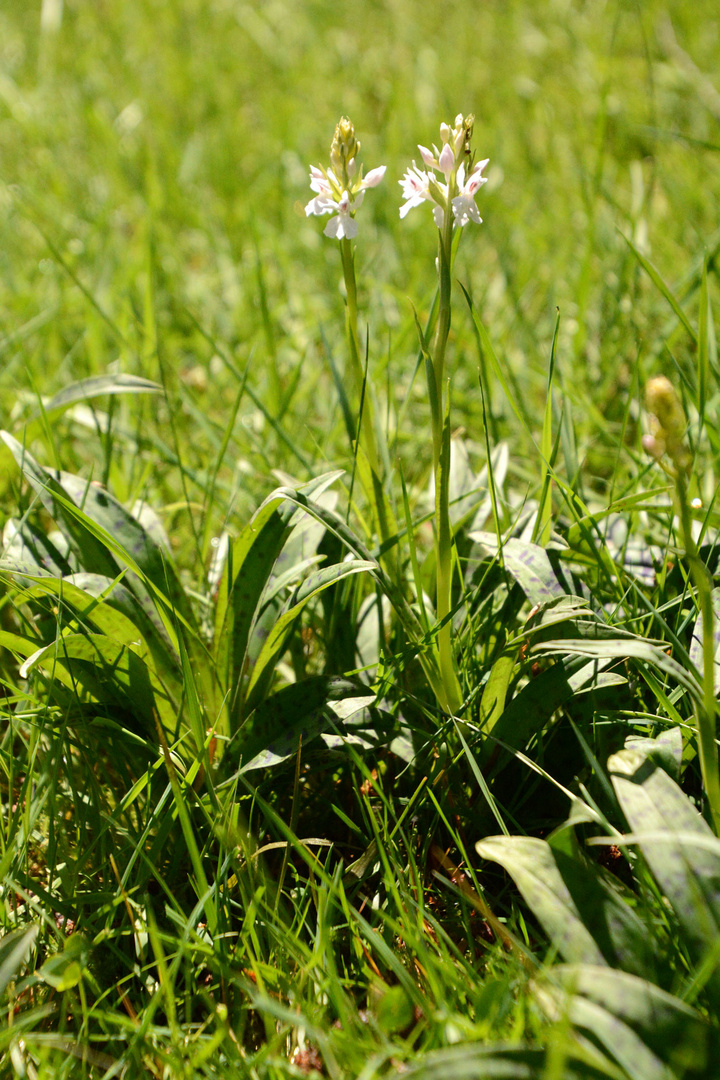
(667,423)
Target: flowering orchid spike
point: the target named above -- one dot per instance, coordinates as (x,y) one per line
(341,189)
(460,181)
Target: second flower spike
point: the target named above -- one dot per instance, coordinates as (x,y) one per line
(461,178)
(340,189)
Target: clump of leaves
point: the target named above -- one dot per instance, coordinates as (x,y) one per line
(640,976)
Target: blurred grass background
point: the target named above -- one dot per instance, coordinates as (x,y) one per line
(153,171)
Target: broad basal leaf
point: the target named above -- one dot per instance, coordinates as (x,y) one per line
(665,824)
(303,710)
(584,914)
(650,1032)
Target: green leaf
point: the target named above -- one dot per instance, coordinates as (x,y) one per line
(665,289)
(492,704)
(423,647)
(99,386)
(303,710)
(666,750)
(65,969)
(29,549)
(111,673)
(150,557)
(625,648)
(664,823)
(476,1061)
(247,573)
(703,351)
(584,913)
(531,709)
(92,555)
(89,607)
(15,947)
(529,565)
(61,492)
(649,1032)
(394,1010)
(544,513)
(278,637)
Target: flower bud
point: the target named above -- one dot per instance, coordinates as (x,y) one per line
(653,446)
(468,125)
(668,422)
(343,150)
(663,402)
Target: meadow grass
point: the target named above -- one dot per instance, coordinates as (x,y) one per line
(245,828)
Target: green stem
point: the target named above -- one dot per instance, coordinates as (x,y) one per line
(442,331)
(355,373)
(705,711)
(441,465)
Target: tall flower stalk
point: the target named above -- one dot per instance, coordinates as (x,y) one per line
(450,182)
(666,438)
(340,191)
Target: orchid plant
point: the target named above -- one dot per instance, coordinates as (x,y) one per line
(340,191)
(450,182)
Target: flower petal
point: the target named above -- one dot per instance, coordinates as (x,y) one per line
(429,159)
(465,210)
(350,228)
(447,159)
(320,205)
(333,228)
(374,177)
(412,202)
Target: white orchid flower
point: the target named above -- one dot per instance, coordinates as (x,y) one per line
(457,191)
(463,205)
(340,190)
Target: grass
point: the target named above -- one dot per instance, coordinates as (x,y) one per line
(241,833)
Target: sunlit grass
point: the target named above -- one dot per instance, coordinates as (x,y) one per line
(238,827)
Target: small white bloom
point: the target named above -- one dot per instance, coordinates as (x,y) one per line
(416,189)
(430,159)
(342,204)
(463,205)
(343,226)
(319,182)
(446,161)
